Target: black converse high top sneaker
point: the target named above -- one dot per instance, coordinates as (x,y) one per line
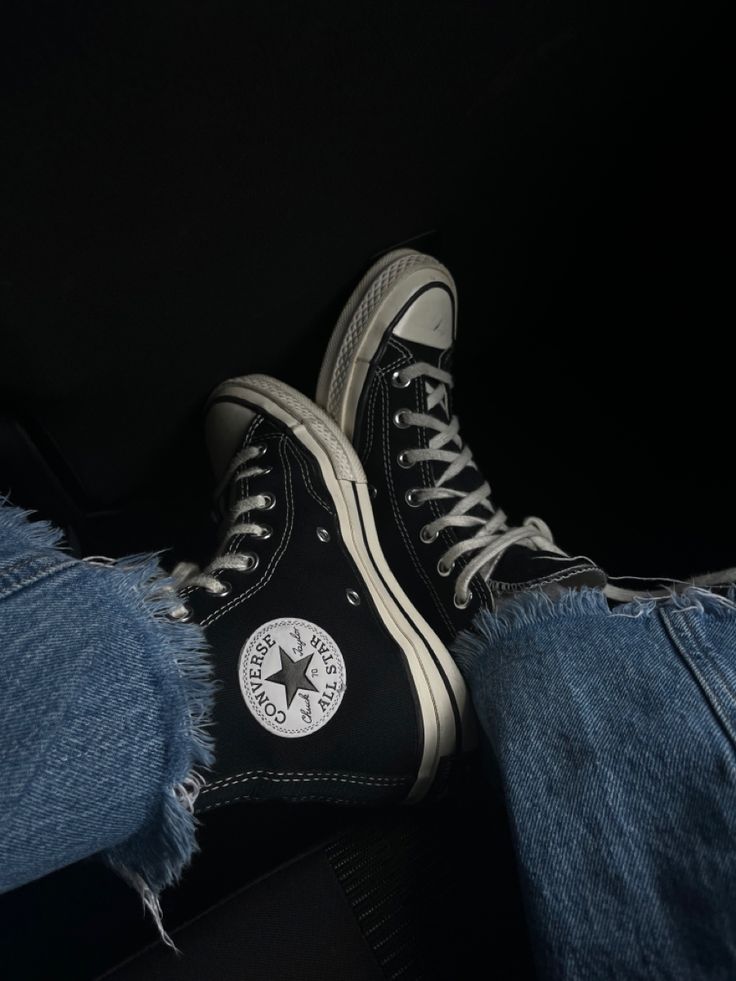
(332,687)
(386,379)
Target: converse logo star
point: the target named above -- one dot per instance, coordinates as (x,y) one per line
(292,676)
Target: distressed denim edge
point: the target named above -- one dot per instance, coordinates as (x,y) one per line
(533,608)
(155,857)
(21,528)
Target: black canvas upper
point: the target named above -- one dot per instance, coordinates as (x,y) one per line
(370,748)
(379,441)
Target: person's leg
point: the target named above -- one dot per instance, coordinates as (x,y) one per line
(102,700)
(326,689)
(614,735)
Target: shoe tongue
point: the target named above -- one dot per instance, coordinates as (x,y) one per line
(527,567)
(226,428)
(428,321)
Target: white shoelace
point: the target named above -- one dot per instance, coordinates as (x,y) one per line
(188,575)
(488,537)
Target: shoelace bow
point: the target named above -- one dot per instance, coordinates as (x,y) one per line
(488,537)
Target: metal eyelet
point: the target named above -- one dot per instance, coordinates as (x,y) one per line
(428,537)
(402,460)
(410,498)
(224,590)
(353,597)
(323,534)
(253,561)
(266,532)
(373,491)
(270,502)
(180,617)
(445,570)
(400,419)
(459,604)
(398,380)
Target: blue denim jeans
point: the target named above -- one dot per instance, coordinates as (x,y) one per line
(102,700)
(612,733)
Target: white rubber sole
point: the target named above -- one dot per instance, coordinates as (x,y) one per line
(344,476)
(373,306)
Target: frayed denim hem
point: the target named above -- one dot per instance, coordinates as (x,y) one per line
(170,672)
(532,609)
(19,533)
(155,857)
(612,731)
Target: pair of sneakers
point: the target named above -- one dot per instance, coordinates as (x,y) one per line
(358,538)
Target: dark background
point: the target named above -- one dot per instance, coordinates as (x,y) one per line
(190,192)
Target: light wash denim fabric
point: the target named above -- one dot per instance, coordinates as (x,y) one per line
(613,734)
(102,704)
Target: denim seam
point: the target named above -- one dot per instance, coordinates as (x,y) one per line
(179,678)
(42,574)
(715,667)
(28,560)
(711,696)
